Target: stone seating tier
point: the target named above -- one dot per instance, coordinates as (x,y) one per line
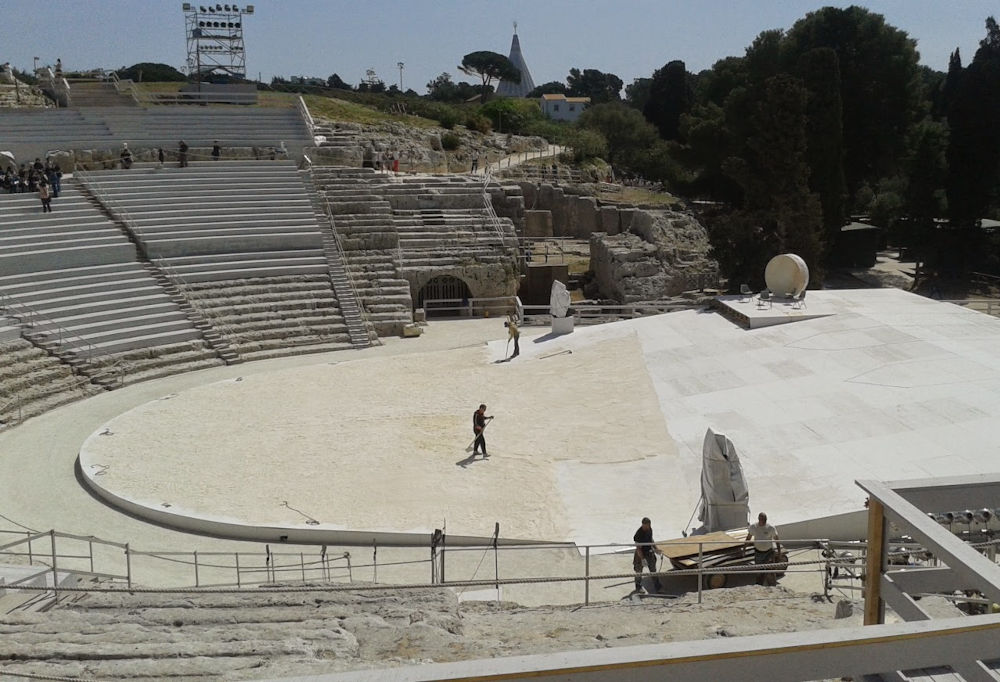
(273,316)
(80,272)
(30,133)
(40,381)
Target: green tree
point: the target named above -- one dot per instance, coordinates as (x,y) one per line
(489,66)
(151,72)
(335,81)
(600,87)
(637,93)
(974,143)
(881,91)
(670,96)
(778,213)
(626,130)
(820,73)
(511,114)
(550,88)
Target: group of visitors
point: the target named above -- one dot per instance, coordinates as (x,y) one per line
(387,161)
(42,177)
(182,154)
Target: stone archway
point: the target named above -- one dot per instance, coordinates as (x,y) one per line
(448,287)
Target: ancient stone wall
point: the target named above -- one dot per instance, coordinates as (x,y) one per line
(484,279)
(658,254)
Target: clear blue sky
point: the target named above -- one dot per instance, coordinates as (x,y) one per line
(318,37)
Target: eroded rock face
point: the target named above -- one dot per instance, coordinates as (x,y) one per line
(417,149)
(658,254)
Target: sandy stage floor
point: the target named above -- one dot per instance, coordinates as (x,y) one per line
(380,444)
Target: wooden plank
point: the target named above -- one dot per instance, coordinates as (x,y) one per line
(683,548)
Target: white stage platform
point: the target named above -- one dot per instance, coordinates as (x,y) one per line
(755,313)
(875,384)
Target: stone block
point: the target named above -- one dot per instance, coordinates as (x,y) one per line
(610,222)
(562,325)
(537,224)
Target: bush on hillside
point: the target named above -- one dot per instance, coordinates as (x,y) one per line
(151,72)
(450,142)
(511,115)
(478,123)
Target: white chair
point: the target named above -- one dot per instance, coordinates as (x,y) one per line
(746,294)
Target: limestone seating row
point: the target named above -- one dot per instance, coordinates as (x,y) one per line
(74,234)
(32,132)
(38,380)
(110,306)
(210,268)
(172,358)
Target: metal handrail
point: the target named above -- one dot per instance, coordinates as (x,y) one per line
(193,297)
(369,328)
(973,303)
(270,564)
(117,366)
(491,214)
(300,104)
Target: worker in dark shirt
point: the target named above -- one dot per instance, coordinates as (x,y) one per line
(644,552)
(479,420)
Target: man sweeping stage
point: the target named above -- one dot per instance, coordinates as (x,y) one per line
(479,421)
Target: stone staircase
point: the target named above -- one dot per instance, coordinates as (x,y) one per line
(241,243)
(98,94)
(359,329)
(78,289)
(398,229)
(364,223)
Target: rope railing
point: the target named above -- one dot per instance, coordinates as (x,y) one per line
(264,568)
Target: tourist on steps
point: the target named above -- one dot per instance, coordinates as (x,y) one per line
(216,151)
(645,552)
(126,156)
(45,194)
(479,420)
(182,154)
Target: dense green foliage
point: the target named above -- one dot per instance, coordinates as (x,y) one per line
(151,72)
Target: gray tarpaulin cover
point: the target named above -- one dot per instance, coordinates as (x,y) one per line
(725,500)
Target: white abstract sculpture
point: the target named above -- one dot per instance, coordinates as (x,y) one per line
(786,275)
(559,299)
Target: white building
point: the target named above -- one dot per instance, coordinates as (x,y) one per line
(563,108)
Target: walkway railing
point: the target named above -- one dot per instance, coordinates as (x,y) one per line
(583,313)
(984,305)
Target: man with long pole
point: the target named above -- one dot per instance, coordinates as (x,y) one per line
(479,421)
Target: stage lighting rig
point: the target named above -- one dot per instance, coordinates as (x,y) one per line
(215,40)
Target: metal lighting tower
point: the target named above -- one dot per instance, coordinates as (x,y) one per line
(215,39)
